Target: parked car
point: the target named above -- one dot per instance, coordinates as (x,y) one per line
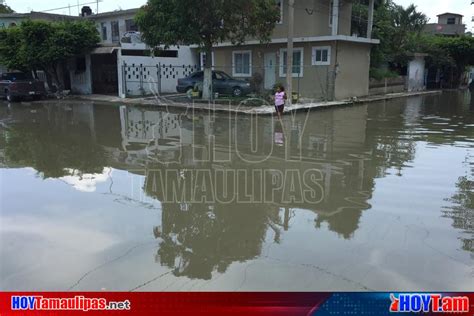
(17,85)
(222,83)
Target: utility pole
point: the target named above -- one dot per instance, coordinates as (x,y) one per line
(370,23)
(289,50)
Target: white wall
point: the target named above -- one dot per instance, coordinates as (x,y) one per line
(416,74)
(141,73)
(108,21)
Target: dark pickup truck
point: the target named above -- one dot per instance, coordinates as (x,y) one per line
(18,85)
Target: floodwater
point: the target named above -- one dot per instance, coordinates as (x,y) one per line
(371,197)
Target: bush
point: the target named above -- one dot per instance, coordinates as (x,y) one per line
(256,82)
(380,73)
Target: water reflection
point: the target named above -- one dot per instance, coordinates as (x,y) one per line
(227,183)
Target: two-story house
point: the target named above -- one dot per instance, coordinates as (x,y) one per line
(123,64)
(328,63)
(449,24)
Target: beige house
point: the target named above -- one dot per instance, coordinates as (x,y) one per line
(329,63)
(449,24)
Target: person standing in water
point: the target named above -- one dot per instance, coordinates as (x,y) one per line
(280,99)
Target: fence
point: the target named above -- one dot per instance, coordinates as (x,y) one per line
(387,85)
(309,82)
(157,79)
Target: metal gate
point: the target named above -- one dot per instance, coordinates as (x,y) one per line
(139,79)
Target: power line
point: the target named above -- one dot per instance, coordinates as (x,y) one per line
(71,6)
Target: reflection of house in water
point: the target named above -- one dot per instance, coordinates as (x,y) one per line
(237,230)
(201,237)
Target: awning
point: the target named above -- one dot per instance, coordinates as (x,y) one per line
(103,50)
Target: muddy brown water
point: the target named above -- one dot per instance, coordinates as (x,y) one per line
(110,197)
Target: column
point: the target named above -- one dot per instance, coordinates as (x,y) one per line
(335,17)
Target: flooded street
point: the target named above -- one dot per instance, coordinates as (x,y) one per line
(370,197)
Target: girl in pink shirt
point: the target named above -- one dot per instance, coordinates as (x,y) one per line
(280,98)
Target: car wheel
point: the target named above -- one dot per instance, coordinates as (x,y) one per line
(37,97)
(237,92)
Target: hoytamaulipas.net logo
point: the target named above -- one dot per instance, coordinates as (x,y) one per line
(76,303)
(435,303)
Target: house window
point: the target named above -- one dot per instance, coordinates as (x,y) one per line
(280,7)
(136,52)
(297,62)
(202,59)
(321,56)
(131,26)
(115,31)
(103,31)
(166,53)
(451,20)
(242,63)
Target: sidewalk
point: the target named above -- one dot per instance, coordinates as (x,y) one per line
(243,109)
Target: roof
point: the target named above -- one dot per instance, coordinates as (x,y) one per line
(14,15)
(113,13)
(448,13)
(104,50)
(38,15)
(53,16)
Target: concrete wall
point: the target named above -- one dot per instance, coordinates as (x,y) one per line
(315,20)
(445,29)
(352,79)
(6,22)
(416,74)
(312,84)
(142,75)
(443,19)
(387,85)
(108,20)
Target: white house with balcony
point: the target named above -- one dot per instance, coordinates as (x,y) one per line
(125,66)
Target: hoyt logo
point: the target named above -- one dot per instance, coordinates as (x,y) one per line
(435,303)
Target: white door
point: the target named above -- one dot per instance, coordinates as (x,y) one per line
(270,70)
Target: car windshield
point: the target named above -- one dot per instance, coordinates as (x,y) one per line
(16,76)
(198,74)
(223,75)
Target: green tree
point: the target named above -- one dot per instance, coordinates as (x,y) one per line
(451,55)
(206,23)
(41,45)
(399,30)
(5,9)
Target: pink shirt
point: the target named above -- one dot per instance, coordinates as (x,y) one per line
(279,98)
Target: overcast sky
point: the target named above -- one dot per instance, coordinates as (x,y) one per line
(430,7)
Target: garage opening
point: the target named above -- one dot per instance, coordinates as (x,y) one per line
(104,73)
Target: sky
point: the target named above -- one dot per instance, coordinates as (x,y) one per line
(430,7)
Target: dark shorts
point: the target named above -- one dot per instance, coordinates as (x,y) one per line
(280,108)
